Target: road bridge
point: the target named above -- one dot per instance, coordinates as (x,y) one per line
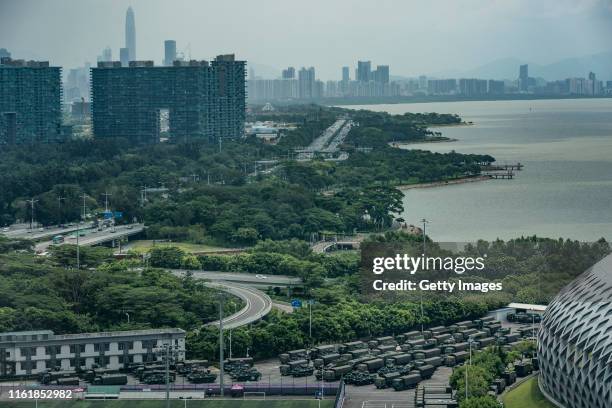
(94,237)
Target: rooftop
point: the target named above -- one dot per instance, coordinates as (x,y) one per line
(49,335)
(11,63)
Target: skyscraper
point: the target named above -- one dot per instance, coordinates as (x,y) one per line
(169,52)
(107,55)
(289,73)
(381,74)
(524,77)
(364,71)
(124,57)
(306,83)
(130,34)
(345,74)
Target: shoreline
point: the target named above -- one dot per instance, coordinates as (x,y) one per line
(457,181)
(347,103)
(400,144)
(443,125)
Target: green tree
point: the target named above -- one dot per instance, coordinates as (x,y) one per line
(166,256)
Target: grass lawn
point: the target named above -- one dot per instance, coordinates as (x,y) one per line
(526,395)
(145,245)
(238,403)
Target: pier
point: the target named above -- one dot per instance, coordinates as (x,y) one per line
(509,175)
(500,171)
(502,167)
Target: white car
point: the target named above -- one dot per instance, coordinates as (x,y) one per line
(261,276)
(6,229)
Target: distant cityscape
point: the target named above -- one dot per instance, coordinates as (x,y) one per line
(186,98)
(368,83)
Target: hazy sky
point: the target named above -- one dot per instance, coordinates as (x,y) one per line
(412,36)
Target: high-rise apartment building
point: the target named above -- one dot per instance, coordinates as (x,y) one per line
(496,87)
(106,55)
(124,57)
(346,74)
(472,87)
(200,100)
(169,52)
(130,34)
(381,75)
(364,71)
(30,102)
(228,97)
(441,86)
(289,73)
(306,83)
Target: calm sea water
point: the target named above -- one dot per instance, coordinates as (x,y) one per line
(565,189)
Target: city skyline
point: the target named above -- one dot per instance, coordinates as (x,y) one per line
(458,40)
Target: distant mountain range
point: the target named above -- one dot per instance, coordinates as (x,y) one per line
(508,68)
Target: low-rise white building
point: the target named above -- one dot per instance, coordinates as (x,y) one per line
(31,352)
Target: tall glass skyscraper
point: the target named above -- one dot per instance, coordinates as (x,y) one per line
(130,34)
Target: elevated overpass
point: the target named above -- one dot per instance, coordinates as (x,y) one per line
(92,237)
(328,246)
(36,234)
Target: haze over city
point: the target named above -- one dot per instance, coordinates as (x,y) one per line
(441,37)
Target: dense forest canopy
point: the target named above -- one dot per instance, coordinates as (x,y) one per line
(214,193)
(49,293)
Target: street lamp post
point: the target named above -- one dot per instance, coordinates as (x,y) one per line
(310,319)
(470,342)
(78,232)
(167,350)
(59,210)
(32,202)
(221,368)
(425,222)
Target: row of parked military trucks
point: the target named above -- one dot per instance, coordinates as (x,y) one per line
(402,361)
(196,371)
(96,376)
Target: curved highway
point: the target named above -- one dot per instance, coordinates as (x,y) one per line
(257,304)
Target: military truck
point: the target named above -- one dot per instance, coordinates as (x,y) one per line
(434,361)
(406,382)
(302,371)
(48,377)
(335,373)
(110,380)
(67,381)
(372,365)
(484,342)
(386,380)
(201,377)
(426,371)
(401,359)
